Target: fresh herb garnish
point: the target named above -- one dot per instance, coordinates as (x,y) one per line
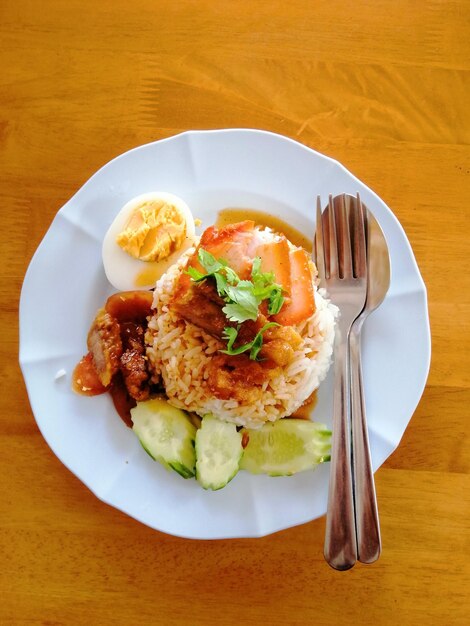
(265,287)
(276,300)
(254,346)
(242,297)
(242,304)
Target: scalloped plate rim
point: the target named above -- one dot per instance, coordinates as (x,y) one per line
(24,363)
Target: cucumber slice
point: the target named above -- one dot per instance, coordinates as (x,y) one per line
(166,434)
(218,452)
(285,447)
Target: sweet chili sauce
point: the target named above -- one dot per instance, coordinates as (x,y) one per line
(85,380)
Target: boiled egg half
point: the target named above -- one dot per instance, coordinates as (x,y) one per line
(147,236)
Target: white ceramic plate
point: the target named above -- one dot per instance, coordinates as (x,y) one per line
(65,284)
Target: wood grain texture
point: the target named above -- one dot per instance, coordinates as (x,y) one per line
(382,87)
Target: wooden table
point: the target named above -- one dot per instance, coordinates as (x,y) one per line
(381,86)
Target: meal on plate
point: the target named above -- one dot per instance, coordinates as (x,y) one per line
(231,340)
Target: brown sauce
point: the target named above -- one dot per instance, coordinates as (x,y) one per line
(304,412)
(123,403)
(154,269)
(233,215)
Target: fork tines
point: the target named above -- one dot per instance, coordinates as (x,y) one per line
(337,251)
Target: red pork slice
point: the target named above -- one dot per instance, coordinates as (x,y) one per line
(300,304)
(275,258)
(230,243)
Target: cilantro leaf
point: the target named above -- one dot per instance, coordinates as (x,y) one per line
(266,288)
(245,284)
(208,261)
(242,294)
(254,346)
(220,283)
(257,342)
(230,334)
(256,266)
(259,278)
(242,297)
(195,274)
(231,275)
(237,313)
(276,300)
(264,279)
(262,293)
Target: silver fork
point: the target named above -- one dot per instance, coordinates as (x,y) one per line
(341,257)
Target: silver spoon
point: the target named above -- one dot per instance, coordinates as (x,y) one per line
(365,500)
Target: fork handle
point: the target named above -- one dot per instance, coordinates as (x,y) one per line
(367,517)
(340,537)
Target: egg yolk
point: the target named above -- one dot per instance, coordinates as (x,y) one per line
(153,231)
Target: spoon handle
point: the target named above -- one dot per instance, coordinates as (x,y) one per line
(367,517)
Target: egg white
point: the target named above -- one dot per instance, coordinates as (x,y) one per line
(122,270)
